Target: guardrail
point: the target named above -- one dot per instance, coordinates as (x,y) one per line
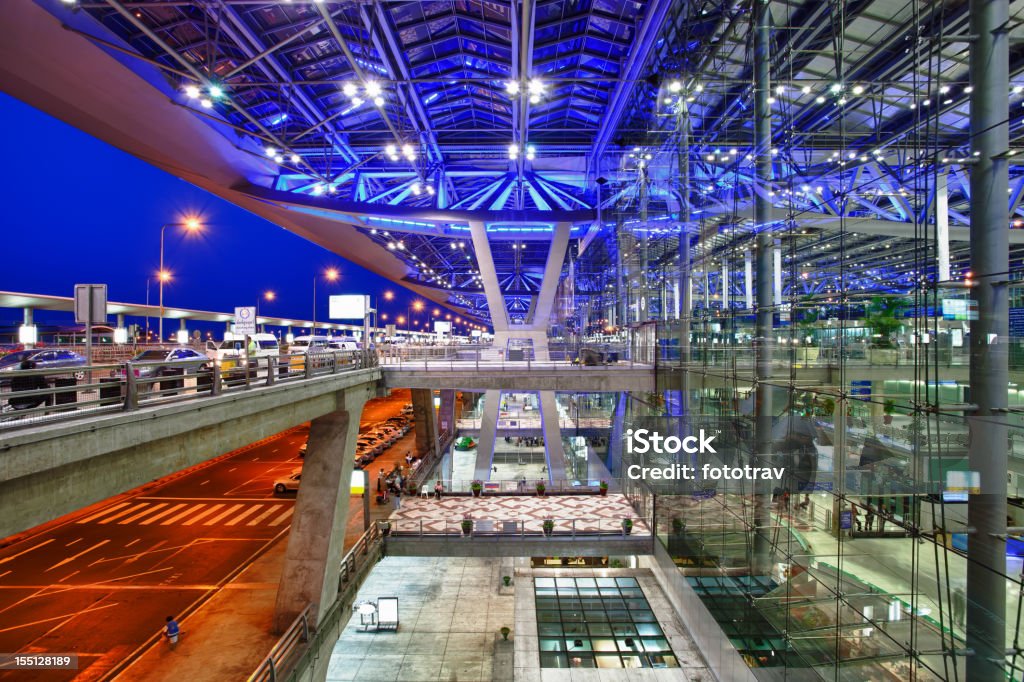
(478,363)
(29,397)
(299,646)
(474,527)
(519,486)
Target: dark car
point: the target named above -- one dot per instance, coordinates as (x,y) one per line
(148,362)
(44,358)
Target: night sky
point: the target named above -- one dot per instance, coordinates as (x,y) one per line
(77,210)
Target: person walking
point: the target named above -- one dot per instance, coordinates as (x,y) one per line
(396,494)
(171,632)
(869,520)
(959,599)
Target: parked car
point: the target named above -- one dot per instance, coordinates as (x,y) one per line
(289,483)
(192,361)
(231,351)
(303,449)
(44,358)
(370,444)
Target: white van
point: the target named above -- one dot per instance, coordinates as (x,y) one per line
(304,344)
(232,351)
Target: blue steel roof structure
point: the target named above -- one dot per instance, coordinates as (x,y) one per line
(403,107)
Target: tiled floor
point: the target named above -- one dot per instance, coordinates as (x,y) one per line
(450,611)
(585,513)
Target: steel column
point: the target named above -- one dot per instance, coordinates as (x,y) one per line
(989,376)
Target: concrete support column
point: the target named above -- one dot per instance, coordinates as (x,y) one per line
(446,415)
(764,289)
(554,450)
(989,375)
(317,537)
(425,419)
(488,434)
(27,320)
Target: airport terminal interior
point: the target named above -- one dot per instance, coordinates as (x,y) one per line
(787,238)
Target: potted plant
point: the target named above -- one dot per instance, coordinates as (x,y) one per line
(505,632)
(627,526)
(507,579)
(467,526)
(541,487)
(477,487)
(678,526)
(888,408)
(548,526)
(385,527)
(603,488)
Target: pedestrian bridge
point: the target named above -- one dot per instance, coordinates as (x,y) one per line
(496,525)
(481,375)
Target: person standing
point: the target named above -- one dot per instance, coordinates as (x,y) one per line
(869,520)
(438,490)
(396,494)
(959,599)
(171,631)
(380,481)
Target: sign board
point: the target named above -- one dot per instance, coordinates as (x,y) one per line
(959,309)
(845,520)
(349,307)
(861,387)
(91,303)
(391,330)
(358,484)
(245,321)
(442,327)
(476,333)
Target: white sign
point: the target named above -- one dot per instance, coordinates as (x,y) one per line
(91,303)
(442,327)
(349,307)
(245,321)
(476,333)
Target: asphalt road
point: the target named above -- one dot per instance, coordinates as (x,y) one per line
(100,583)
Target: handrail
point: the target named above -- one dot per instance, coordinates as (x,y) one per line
(473,527)
(297,648)
(37,396)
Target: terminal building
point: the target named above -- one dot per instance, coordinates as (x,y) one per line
(786,237)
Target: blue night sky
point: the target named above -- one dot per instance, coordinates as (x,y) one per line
(92,213)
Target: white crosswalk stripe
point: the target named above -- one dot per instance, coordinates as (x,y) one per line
(172,513)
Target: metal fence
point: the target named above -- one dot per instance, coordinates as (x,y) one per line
(505,527)
(31,397)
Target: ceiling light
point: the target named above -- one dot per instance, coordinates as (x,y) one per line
(512,87)
(295,158)
(192,91)
(698,88)
(819,99)
(390,150)
(535,86)
(216,91)
(378,100)
(205,103)
(349,89)
(357,101)
(534,99)
(806,89)
(279,159)
(373,88)
(675,86)
(969,89)
(835,88)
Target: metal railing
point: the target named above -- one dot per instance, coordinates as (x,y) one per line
(478,361)
(473,527)
(299,646)
(517,486)
(31,397)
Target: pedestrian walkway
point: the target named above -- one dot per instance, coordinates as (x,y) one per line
(265,513)
(579,513)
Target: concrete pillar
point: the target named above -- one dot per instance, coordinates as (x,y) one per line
(317,537)
(425,419)
(446,415)
(554,450)
(990,341)
(488,434)
(27,320)
(764,334)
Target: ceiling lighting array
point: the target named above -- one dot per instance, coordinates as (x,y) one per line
(371,91)
(206,96)
(408,151)
(535,89)
(514,151)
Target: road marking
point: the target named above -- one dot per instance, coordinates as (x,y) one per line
(242,516)
(230,470)
(258,459)
(273,508)
(15,556)
(226,512)
(200,516)
(5,573)
(162,514)
(73,542)
(52,618)
(70,559)
(126,512)
(141,514)
(178,517)
(205,482)
(273,451)
(206,499)
(132,542)
(69,576)
(282,517)
(103,513)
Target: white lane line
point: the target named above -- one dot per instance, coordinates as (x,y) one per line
(53,618)
(230,510)
(124,512)
(256,459)
(73,542)
(242,516)
(178,517)
(206,513)
(15,556)
(70,559)
(205,482)
(162,514)
(5,573)
(230,470)
(273,508)
(69,576)
(280,519)
(274,450)
(132,542)
(141,514)
(103,513)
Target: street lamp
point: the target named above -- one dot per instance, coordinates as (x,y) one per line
(268,296)
(191,225)
(331,275)
(417,306)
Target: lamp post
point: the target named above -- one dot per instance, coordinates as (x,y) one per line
(418,307)
(191,225)
(331,275)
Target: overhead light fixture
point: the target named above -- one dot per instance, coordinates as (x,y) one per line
(378,100)
(535,86)
(192,91)
(216,91)
(349,89)
(373,88)
(295,158)
(205,103)
(271,152)
(357,101)
(858,89)
(512,87)
(675,86)
(513,151)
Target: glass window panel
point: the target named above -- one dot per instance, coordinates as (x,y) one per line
(632,662)
(549,629)
(606,661)
(603,644)
(595,616)
(581,661)
(655,644)
(551,644)
(585,582)
(597,629)
(648,629)
(627,582)
(606,582)
(552,660)
(572,645)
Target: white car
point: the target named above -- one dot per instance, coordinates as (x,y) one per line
(288,484)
